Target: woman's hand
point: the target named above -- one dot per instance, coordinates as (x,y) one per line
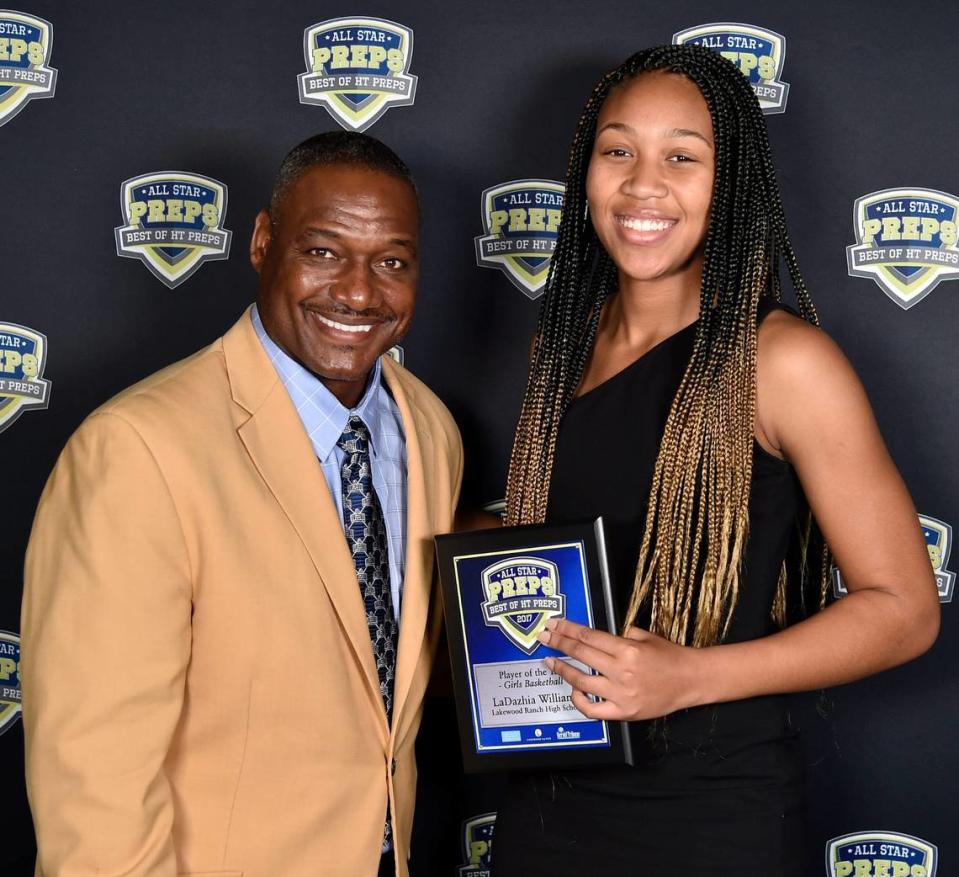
(643,676)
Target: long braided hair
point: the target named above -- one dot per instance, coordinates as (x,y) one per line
(697,521)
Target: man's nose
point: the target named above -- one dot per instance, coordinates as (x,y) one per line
(356,287)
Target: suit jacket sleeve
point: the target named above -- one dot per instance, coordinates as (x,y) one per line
(106,643)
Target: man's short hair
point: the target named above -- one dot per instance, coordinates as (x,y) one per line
(337,147)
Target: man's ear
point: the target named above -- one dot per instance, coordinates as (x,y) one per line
(261,239)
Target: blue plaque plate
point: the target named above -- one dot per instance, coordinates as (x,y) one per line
(500,587)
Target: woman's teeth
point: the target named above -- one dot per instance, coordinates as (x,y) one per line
(646,224)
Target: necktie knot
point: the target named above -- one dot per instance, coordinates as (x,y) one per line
(355,438)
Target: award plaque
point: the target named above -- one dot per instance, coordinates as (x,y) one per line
(500,587)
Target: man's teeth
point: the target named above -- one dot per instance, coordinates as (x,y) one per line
(343,327)
(646,224)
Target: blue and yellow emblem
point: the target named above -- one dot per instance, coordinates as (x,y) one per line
(10,698)
(23,358)
(905,242)
(522,594)
(477,845)
(173,223)
(357,68)
(520,226)
(880,854)
(938,536)
(757,52)
(25,45)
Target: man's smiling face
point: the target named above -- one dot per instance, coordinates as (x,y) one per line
(338,271)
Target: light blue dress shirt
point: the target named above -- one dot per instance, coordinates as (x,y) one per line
(324,420)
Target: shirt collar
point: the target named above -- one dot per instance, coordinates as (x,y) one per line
(322,414)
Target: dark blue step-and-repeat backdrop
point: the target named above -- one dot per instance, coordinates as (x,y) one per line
(138,141)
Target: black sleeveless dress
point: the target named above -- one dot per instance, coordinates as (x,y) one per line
(716,791)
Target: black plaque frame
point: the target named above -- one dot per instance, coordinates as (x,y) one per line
(453,546)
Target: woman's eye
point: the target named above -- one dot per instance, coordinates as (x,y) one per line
(680,157)
(616,152)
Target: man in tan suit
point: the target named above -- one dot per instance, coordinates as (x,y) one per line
(238,537)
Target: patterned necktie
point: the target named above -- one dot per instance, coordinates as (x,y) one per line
(366,537)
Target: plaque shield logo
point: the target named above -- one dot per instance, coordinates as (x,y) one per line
(25,45)
(906,241)
(173,223)
(522,594)
(357,68)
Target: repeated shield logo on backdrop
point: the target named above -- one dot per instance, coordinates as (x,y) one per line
(357,68)
(173,223)
(759,54)
(521,221)
(23,358)
(25,45)
(880,852)
(905,241)
(10,697)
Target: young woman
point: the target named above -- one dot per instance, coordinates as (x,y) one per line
(670,392)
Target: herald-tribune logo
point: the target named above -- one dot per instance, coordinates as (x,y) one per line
(905,242)
(25,45)
(520,227)
(875,853)
(173,223)
(10,699)
(757,52)
(357,68)
(477,845)
(938,536)
(522,594)
(23,358)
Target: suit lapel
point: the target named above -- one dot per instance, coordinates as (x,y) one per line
(281,451)
(417,575)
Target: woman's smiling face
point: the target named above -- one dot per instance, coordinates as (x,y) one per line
(650,179)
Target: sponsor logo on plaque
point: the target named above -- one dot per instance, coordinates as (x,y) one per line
(905,242)
(477,845)
(23,357)
(25,45)
(9,679)
(522,594)
(173,223)
(520,226)
(880,853)
(938,536)
(757,52)
(357,68)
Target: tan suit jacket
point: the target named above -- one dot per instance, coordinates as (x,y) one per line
(199,689)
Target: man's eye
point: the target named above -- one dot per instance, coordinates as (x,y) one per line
(322,252)
(393,263)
